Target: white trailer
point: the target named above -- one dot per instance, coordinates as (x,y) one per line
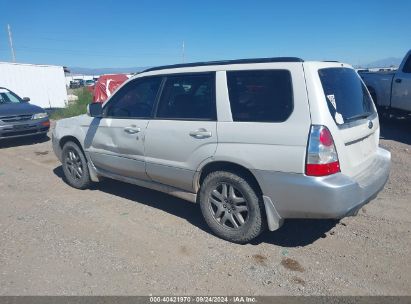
(45,85)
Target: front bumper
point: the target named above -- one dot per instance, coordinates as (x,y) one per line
(25,128)
(56,145)
(334,196)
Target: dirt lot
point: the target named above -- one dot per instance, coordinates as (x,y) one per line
(119,239)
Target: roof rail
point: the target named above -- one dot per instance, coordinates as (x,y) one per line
(225,62)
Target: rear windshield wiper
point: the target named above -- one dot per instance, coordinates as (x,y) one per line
(358,116)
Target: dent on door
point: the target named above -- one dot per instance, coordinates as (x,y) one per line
(117,147)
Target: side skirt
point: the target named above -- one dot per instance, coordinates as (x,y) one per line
(191,197)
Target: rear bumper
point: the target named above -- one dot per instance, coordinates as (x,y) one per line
(23,129)
(334,196)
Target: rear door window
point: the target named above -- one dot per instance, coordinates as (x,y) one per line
(188,97)
(347,97)
(260,95)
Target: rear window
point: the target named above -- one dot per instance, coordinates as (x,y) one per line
(347,97)
(260,96)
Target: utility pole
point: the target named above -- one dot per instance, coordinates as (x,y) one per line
(184,55)
(13,55)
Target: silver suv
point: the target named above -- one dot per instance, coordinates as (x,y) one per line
(253,141)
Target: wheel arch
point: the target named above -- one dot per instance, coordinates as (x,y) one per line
(220,165)
(68,138)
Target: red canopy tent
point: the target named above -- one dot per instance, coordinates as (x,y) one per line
(106,85)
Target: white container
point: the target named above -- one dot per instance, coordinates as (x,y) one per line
(45,85)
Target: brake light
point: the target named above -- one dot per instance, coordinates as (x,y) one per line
(322,158)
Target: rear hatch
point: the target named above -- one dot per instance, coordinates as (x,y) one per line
(348,111)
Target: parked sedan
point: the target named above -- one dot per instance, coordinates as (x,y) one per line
(74,84)
(19,118)
(89,83)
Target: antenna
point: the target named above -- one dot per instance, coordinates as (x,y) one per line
(13,55)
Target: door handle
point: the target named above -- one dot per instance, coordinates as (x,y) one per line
(132,130)
(398,80)
(201,133)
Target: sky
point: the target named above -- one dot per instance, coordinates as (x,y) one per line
(106,33)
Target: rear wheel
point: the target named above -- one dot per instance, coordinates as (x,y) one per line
(231,207)
(75,166)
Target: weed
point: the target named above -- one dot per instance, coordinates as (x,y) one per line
(75,108)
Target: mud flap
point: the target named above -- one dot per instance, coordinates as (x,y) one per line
(274,220)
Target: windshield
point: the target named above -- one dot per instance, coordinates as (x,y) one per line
(346,95)
(8,97)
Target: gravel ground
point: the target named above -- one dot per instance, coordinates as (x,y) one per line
(119,239)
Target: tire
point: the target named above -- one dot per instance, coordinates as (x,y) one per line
(75,166)
(221,209)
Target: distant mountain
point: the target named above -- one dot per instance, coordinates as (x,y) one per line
(383,63)
(100,71)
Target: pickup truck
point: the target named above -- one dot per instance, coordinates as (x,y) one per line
(391,90)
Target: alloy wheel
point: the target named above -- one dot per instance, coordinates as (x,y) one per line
(228,206)
(74,164)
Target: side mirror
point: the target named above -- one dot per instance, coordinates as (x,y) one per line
(95,109)
(26,99)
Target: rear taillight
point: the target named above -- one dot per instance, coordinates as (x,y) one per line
(322,158)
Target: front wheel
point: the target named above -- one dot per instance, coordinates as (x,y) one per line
(75,166)
(231,207)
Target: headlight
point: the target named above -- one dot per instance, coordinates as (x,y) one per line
(39,116)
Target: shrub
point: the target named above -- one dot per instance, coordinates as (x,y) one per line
(75,108)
